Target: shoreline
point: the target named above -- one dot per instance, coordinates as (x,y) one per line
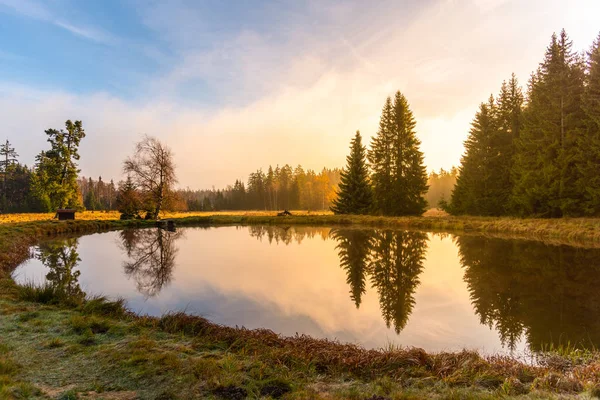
(92,330)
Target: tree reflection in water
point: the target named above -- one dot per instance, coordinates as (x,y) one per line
(287,234)
(547,294)
(392,259)
(61,258)
(151,255)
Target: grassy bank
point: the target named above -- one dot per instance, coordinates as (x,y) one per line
(55,347)
(584,231)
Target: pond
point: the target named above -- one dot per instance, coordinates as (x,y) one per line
(371,287)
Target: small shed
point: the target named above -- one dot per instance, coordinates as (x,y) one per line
(64,214)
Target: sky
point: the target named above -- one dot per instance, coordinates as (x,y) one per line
(233,86)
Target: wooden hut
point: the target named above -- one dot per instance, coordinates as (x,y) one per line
(64,214)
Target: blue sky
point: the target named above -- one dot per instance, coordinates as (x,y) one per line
(232,86)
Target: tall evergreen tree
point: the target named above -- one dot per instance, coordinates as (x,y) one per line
(545,171)
(354,193)
(8,158)
(399,176)
(589,183)
(380,159)
(509,124)
(410,175)
(56,169)
(473,191)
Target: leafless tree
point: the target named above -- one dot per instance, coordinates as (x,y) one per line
(153,171)
(152,254)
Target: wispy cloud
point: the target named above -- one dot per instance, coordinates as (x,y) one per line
(297,90)
(36,10)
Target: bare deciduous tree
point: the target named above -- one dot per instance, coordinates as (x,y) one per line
(152,169)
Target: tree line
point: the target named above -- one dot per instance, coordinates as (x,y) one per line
(280,188)
(52,182)
(537,153)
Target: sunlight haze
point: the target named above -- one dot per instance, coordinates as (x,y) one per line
(236,86)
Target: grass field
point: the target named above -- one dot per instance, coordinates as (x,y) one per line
(114,215)
(61,348)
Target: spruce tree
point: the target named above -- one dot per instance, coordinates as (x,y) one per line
(399,176)
(380,159)
(545,171)
(484,185)
(472,189)
(354,193)
(8,158)
(509,124)
(589,184)
(409,173)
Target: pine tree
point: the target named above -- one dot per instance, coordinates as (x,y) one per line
(56,169)
(410,175)
(484,185)
(589,145)
(472,191)
(354,193)
(399,176)
(380,158)
(128,199)
(91,201)
(8,157)
(545,170)
(509,124)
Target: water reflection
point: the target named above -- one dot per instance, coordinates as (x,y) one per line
(287,234)
(544,293)
(61,258)
(152,254)
(526,292)
(392,259)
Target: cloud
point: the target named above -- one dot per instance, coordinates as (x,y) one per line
(36,10)
(294,86)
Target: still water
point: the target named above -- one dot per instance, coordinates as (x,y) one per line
(365,286)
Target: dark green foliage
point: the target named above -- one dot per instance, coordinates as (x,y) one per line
(541,159)
(55,175)
(380,157)
(473,191)
(128,200)
(546,172)
(589,143)
(8,158)
(90,201)
(354,193)
(484,184)
(399,176)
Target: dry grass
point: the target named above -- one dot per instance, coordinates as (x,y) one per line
(114,215)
